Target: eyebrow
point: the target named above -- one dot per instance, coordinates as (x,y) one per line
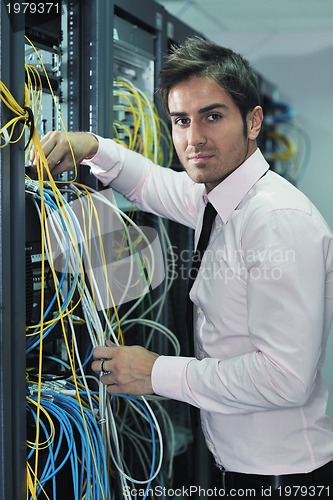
(201,110)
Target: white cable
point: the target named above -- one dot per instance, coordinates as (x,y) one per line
(157,326)
(97,337)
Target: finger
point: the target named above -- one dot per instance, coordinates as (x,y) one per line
(47,136)
(45,142)
(57,152)
(104,368)
(100,366)
(109,343)
(49,144)
(61,167)
(102,353)
(58,160)
(115,389)
(33,151)
(32,157)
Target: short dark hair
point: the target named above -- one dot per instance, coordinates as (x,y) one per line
(200,57)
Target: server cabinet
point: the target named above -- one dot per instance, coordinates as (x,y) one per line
(135,41)
(102,53)
(12,266)
(125,40)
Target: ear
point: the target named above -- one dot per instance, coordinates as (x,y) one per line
(254,121)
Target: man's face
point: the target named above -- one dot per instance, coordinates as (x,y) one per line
(207,130)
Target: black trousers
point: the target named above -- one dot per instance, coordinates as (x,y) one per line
(318,483)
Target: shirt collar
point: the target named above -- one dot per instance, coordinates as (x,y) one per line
(229,193)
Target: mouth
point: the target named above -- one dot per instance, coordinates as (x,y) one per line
(200,158)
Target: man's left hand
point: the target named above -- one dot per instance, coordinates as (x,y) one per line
(124,369)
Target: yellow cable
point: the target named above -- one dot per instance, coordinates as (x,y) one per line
(30,485)
(42,168)
(290,148)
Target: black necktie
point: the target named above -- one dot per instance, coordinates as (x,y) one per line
(207,223)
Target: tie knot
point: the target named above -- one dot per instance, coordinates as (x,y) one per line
(209,214)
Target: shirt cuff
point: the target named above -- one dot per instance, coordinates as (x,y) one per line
(168,375)
(108,161)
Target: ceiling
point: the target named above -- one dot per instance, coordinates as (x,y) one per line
(210,17)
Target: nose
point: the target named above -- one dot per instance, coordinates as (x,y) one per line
(196,135)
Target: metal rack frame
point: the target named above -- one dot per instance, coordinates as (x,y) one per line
(12,279)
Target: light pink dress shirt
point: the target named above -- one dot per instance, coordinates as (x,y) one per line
(264,307)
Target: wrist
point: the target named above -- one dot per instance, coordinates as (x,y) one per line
(93,147)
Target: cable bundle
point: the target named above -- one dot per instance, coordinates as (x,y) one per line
(70,443)
(149,133)
(72,240)
(292,150)
(289,144)
(103,446)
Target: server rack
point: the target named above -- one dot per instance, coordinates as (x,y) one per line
(89,68)
(155,29)
(12,279)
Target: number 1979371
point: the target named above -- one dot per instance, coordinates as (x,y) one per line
(33,8)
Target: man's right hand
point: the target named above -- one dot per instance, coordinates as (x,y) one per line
(59,153)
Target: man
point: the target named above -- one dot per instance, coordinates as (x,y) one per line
(263,295)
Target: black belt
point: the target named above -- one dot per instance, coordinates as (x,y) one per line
(322,477)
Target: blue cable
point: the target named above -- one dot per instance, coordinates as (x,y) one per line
(67,428)
(90,477)
(151,424)
(285,113)
(68,413)
(32,343)
(98,446)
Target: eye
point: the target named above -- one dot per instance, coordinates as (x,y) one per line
(182,121)
(214,117)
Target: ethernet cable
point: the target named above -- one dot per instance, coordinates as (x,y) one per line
(70,237)
(83,294)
